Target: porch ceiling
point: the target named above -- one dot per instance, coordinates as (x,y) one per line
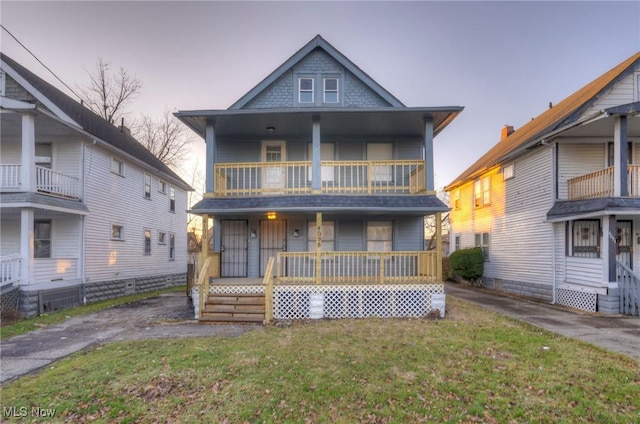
(603,128)
(11,125)
(405,122)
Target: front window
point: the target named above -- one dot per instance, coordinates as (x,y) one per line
(305,90)
(331,90)
(379,236)
(147,186)
(328,236)
(42,239)
(147,242)
(585,238)
(457,243)
(482,241)
(172,199)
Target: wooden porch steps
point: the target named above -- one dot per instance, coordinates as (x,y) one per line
(236,308)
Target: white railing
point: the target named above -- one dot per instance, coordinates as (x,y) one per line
(629,284)
(53,182)
(9,270)
(356,268)
(600,184)
(10,177)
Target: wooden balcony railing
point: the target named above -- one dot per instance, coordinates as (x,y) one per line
(357,268)
(600,184)
(337,177)
(52,182)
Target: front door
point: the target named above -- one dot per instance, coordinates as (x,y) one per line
(233,255)
(624,240)
(274,176)
(273,239)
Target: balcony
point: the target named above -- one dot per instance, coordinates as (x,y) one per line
(337,177)
(9,270)
(47,181)
(600,184)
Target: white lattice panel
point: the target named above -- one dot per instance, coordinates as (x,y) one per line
(239,289)
(576,299)
(355,301)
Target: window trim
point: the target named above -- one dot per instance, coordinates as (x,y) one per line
(146,242)
(389,240)
(172,199)
(121,238)
(484,244)
(50,239)
(312,90)
(162,237)
(120,166)
(508,172)
(162,187)
(482,192)
(325,90)
(585,250)
(172,246)
(457,202)
(147,185)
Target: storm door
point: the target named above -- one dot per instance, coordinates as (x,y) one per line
(624,240)
(274,175)
(233,255)
(273,239)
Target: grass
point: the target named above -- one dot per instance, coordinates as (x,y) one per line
(474,366)
(30,324)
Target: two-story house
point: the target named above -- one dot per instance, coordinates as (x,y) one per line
(322,169)
(555,205)
(87,213)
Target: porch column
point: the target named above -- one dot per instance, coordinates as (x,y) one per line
(26,246)
(438,246)
(428,154)
(318,247)
(612,248)
(28,159)
(210,138)
(205,236)
(620,160)
(316,174)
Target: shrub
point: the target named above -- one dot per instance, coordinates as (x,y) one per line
(467,263)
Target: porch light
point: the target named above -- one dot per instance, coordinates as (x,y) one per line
(271,215)
(296,233)
(271,130)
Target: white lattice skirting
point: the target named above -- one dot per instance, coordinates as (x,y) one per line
(577,299)
(355,301)
(236,289)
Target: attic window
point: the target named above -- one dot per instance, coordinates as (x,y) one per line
(508,172)
(305,90)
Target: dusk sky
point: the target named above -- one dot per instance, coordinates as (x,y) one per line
(503,61)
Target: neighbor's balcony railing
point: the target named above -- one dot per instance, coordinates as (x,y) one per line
(600,184)
(47,181)
(9,270)
(337,177)
(357,268)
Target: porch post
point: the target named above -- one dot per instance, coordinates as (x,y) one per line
(28,159)
(438,246)
(211,157)
(428,154)
(318,247)
(620,160)
(26,246)
(316,175)
(612,248)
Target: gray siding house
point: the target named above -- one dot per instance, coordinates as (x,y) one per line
(326,172)
(555,204)
(87,213)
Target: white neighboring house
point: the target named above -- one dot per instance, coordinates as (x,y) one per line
(87,213)
(555,205)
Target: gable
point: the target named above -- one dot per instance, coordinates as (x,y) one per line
(308,70)
(317,65)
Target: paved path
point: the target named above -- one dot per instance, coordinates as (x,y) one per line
(165,316)
(617,333)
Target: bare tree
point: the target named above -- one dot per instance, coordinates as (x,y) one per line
(108,92)
(166,138)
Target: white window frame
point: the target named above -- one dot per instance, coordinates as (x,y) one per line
(112,236)
(325,90)
(162,237)
(373,244)
(147,186)
(172,199)
(172,247)
(482,191)
(483,240)
(117,166)
(162,187)
(328,236)
(508,172)
(146,240)
(312,90)
(37,240)
(457,203)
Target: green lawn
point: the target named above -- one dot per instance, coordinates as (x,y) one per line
(474,366)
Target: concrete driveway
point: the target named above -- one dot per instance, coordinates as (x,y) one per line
(166,316)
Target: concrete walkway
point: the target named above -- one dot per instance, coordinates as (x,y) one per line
(617,333)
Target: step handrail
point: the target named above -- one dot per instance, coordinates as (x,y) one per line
(268,291)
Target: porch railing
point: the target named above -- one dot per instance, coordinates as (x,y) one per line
(10,177)
(9,270)
(356,268)
(629,285)
(337,177)
(53,182)
(601,183)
